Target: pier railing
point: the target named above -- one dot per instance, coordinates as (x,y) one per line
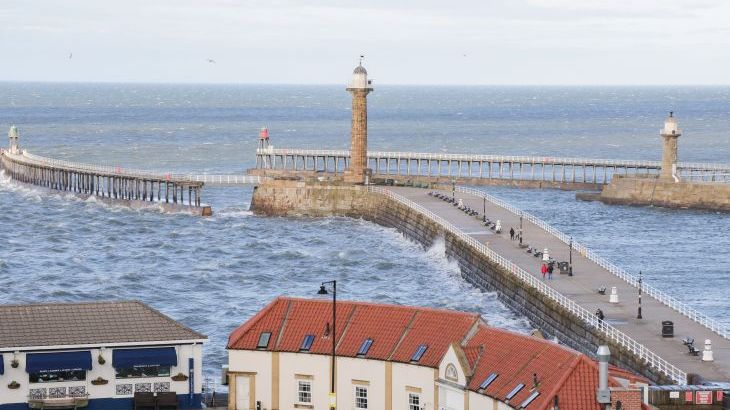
(644,164)
(211,179)
(657,294)
(652,359)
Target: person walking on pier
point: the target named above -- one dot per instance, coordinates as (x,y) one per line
(599,315)
(511,234)
(550,269)
(543,270)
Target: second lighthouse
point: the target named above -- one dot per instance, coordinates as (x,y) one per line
(359,88)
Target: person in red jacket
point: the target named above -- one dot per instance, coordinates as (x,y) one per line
(543,270)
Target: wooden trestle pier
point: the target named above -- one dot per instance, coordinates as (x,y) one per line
(175,193)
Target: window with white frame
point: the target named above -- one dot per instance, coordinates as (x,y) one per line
(304,391)
(361,397)
(414,401)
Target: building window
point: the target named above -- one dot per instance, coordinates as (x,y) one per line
(263,340)
(361,397)
(414,401)
(305,391)
(70,375)
(143,371)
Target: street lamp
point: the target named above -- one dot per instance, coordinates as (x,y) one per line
(520,229)
(570,260)
(453,190)
(484,209)
(323,291)
(638,316)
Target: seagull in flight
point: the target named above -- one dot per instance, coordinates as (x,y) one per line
(70,56)
(210,60)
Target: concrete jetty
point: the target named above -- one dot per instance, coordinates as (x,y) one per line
(563,308)
(582,286)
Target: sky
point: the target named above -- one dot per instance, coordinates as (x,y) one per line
(439,42)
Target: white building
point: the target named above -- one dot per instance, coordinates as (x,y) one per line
(397,357)
(100,353)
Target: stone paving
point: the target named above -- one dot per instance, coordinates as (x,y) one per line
(582,287)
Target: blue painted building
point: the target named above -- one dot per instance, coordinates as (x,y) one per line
(95,355)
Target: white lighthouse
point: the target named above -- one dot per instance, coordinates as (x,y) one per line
(13,136)
(671,134)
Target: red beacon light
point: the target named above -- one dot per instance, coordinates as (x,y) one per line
(264,133)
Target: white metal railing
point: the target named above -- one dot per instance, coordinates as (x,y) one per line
(32,159)
(496,158)
(224,179)
(657,294)
(612,333)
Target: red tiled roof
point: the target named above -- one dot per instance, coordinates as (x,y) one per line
(397,331)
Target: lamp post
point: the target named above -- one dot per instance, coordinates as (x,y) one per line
(484,209)
(520,229)
(323,291)
(570,257)
(638,316)
(453,190)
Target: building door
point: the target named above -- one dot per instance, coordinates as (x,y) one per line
(243,393)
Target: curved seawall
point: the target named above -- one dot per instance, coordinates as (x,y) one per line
(547,311)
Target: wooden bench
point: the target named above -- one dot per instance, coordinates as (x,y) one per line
(61,403)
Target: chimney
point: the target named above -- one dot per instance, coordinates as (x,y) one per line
(603,395)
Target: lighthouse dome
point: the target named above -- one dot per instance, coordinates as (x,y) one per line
(671,126)
(359,78)
(360,70)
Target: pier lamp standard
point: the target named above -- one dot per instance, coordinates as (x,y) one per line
(453,190)
(323,291)
(638,316)
(520,229)
(570,257)
(484,209)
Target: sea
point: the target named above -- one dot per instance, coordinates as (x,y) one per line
(213,274)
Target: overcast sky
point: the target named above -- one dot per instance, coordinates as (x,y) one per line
(498,42)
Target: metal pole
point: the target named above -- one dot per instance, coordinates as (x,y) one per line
(484,209)
(334,335)
(570,263)
(453,190)
(520,228)
(638,316)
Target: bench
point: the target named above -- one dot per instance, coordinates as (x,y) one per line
(167,400)
(693,351)
(60,403)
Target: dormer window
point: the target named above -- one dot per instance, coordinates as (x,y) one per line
(419,353)
(264,340)
(364,347)
(306,343)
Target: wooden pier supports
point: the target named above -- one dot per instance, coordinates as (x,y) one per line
(99,181)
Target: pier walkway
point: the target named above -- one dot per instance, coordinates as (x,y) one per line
(669,355)
(584,171)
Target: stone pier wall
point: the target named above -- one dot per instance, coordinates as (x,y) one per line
(441,180)
(667,193)
(294,198)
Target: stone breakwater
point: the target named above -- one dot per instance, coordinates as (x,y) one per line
(666,193)
(298,198)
